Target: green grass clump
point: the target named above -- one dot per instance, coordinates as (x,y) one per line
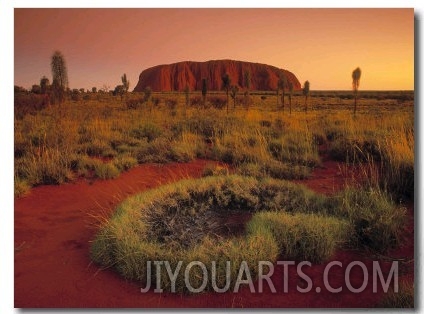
(49,166)
(377,221)
(297,147)
(106,170)
(214,170)
(303,237)
(148,131)
(21,187)
(124,163)
(93,167)
(274,169)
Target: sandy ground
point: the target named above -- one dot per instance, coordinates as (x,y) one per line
(55,224)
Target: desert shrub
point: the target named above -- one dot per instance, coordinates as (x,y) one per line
(218,102)
(245,101)
(134,103)
(97,147)
(265,123)
(279,170)
(171,104)
(318,139)
(296,148)
(21,187)
(333,134)
(106,170)
(214,170)
(398,179)
(162,150)
(196,101)
(148,130)
(343,149)
(51,166)
(93,167)
(125,162)
(273,169)
(251,169)
(75,95)
(156,101)
(302,237)
(209,125)
(108,153)
(155,151)
(28,104)
(20,149)
(377,221)
(85,166)
(397,173)
(181,152)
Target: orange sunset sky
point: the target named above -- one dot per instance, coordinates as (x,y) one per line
(319,45)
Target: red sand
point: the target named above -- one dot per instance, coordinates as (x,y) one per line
(55,224)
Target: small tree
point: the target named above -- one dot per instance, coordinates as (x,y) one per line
(306,94)
(36,89)
(75,94)
(247,83)
(147,95)
(187,95)
(19,89)
(204,90)
(282,84)
(44,85)
(234,91)
(356,76)
(119,91)
(226,85)
(290,95)
(125,82)
(94,89)
(60,76)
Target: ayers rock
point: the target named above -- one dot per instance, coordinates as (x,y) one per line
(176,76)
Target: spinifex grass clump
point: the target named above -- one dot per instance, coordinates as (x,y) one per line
(303,237)
(377,221)
(190,221)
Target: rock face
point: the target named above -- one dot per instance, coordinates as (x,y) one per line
(176,76)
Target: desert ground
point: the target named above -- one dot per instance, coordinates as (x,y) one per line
(78,165)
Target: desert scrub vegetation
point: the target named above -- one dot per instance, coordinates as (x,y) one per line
(21,187)
(258,140)
(386,144)
(190,221)
(403,298)
(302,237)
(377,221)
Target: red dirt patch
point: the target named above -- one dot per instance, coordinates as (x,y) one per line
(55,224)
